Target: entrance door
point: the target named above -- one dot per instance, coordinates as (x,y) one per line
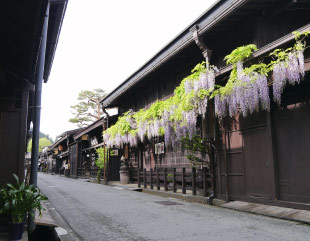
(292,127)
(248,158)
(114,166)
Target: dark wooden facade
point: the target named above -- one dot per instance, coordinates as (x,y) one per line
(21,26)
(262,157)
(64,153)
(88,140)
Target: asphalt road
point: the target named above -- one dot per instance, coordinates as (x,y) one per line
(96,212)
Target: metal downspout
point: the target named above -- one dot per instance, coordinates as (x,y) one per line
(206,52)
(37,103)
(37,114)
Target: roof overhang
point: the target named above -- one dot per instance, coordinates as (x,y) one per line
(221,18)
(21,25)
(89,128)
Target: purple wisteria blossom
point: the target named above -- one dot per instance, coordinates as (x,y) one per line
(301,62)
(293,71)
(279,81)
(133,140)
(220,106)
(141,131)
(169,132)
(191,119)
(188,85)
(290,71)
(263,90)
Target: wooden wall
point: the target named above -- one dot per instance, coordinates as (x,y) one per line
(13,127)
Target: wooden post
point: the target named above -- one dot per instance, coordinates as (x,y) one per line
(157,179)
(174,180)
(151,178)
(139,183)
(226,166)
(193,181)
(183,181)
(144,178)
(204,176)
(165,179)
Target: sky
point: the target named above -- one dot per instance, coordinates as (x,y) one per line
(102,43)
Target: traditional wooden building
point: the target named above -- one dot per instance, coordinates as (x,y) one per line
(262,157)
(26,48)
(88,140)
(64,150)
(21,30)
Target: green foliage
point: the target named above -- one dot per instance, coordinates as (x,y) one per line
(47,136)
(17,200)
(279,55)
(182,102)
(101,160)
(169,178)
(88,108)
(240,53)
(122,126)
(102,157)
(43,142)
(197,147)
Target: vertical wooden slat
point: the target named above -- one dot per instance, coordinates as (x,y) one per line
(204,176)
(274,172)
(144,178)
(193,181)
(151,178)
(157,179)
(174,180)
(183,181)
(139,183)
(226,166)
(165,179)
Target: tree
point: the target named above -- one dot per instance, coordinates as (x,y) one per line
(88,109)
(43,142)
(101,162)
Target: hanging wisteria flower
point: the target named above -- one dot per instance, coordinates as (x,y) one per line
(279,80)
(301,62)
(263,91)
(293,70)
(133,140)
(220,105)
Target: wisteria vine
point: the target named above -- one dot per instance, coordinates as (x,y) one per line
(246,91)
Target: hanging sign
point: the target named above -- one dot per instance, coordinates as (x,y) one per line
(114,152)
(160,148)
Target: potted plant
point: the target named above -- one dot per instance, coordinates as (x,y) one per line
(170,179)
(17,201)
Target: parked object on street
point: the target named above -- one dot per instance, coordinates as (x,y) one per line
(17,200)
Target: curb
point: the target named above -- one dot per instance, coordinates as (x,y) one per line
(289,214)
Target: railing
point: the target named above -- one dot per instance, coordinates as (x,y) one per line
(196,180)
(81,172)
(89,173)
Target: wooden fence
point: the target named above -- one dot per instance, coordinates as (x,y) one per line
(90,173)
(174,179)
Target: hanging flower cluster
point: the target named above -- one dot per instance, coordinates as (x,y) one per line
(249,92)
(290,68)
(174,118)
(246,91)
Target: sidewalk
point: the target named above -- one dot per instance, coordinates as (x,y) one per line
(291,214)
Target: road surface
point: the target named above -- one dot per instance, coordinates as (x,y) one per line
(97,212)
